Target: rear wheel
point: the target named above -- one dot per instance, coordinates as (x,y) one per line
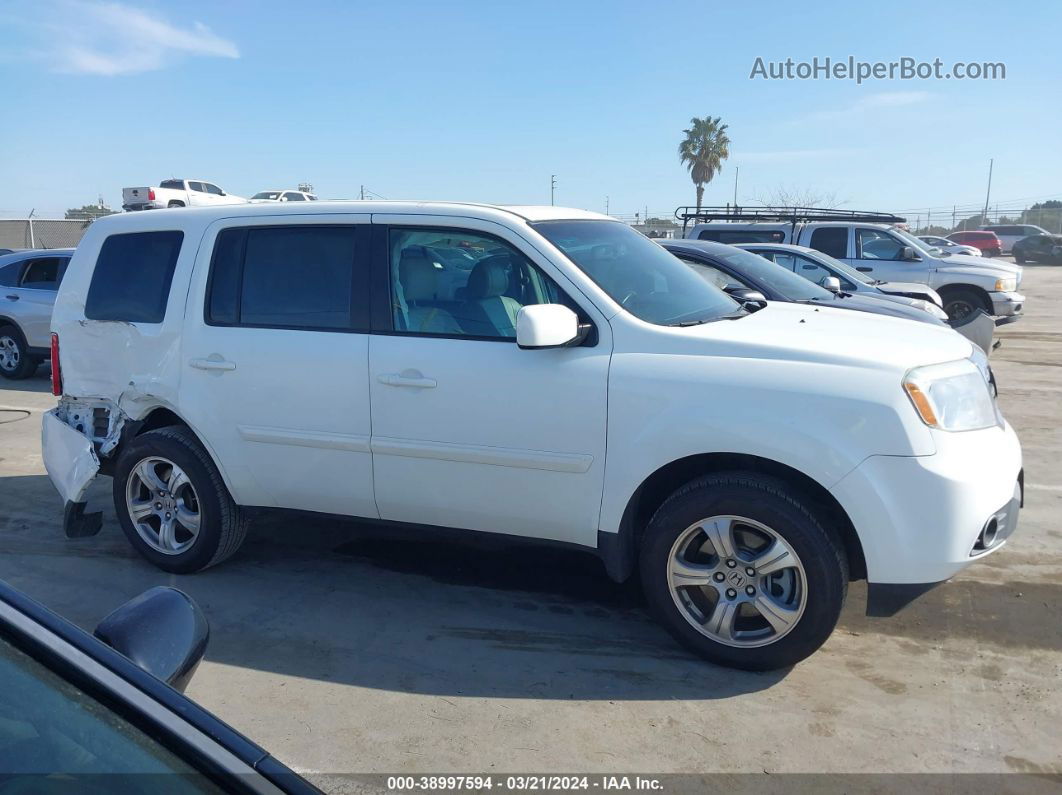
(994,252)
(172,503)
(173,204)
(1018,258)
(740,571)
(15,361)
(961,302)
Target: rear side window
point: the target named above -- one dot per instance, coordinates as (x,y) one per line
(9,274)
(299,277)
(832,240)
(131,282)
(749,236)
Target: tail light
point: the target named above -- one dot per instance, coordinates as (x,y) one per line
(151,194)
(57,374)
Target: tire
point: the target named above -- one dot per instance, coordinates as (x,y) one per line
(1019,259)
(15,362)
(749,502)
(959,302)
(995,252)
(173,204)
(221,524)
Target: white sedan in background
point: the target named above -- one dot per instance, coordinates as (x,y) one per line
(283,196)
(949,246)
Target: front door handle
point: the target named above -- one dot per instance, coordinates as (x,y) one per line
(410,378)
(212,364)
(864,269)
(11,297)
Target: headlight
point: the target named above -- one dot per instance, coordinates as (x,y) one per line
(931,308)
(953,396)
(1006,285)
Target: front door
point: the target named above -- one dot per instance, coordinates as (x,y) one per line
(468,430)
(274,361)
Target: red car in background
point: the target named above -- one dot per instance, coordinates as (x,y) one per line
(988,242)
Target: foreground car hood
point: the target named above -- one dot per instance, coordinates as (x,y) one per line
(802,332)
(908,287)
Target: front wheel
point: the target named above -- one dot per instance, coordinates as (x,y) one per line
(960,303)
(739,570)
(1019,259)
(172,503)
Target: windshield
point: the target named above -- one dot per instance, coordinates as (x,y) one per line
(638,274)
(775,276)
(918,245)
(267,194)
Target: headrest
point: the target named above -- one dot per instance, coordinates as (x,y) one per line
(417,275)
(490,277)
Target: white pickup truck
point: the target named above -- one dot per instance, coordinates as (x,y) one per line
(872,244)
(177,193)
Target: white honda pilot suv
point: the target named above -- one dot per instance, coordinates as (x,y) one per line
(532,371)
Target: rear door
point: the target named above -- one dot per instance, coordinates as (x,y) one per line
(274,359)
(32,301)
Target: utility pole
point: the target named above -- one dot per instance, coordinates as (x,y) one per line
(606,205)
(552,187)
(363,193)
(988,195)
(737,170)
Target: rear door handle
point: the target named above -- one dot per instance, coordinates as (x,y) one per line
(410,378)
(212,364)
(864,269)
(11,297)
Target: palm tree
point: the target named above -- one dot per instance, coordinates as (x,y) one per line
(703,151)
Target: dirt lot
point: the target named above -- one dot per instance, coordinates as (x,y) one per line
(343,649)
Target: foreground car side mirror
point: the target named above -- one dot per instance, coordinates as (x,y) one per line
(831,283)
(907,254)
(548,326)
(163,631)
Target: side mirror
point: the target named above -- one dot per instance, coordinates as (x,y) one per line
(548,326)
(163,631)
(907,254)
(746,295)
(831,283)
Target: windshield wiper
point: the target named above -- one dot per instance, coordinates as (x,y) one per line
(729,316)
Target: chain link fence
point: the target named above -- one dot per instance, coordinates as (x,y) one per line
(42,232)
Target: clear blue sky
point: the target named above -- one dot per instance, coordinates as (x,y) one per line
(484,100)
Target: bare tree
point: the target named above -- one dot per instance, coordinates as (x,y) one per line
(784,196)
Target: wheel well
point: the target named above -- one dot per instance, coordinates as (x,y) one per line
(175,203)
(980,292)
(666,480)
(158,418)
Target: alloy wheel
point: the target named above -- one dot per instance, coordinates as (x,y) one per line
(737,581)
(10,353)
(163,505)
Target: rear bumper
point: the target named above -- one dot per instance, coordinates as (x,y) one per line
(69,458)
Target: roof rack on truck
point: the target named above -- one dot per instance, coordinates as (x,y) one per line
(794,215)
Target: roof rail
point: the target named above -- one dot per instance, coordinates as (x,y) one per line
(793,215)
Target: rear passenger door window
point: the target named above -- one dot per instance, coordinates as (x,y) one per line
(293,277)
(456,283)
(832,240)
(131,281)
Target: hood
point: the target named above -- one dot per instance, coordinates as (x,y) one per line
(964,263)
(806,332)
(879,305)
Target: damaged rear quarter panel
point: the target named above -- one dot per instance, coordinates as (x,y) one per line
(134,366)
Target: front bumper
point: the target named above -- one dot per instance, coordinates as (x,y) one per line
(1007,305)
(919,518)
